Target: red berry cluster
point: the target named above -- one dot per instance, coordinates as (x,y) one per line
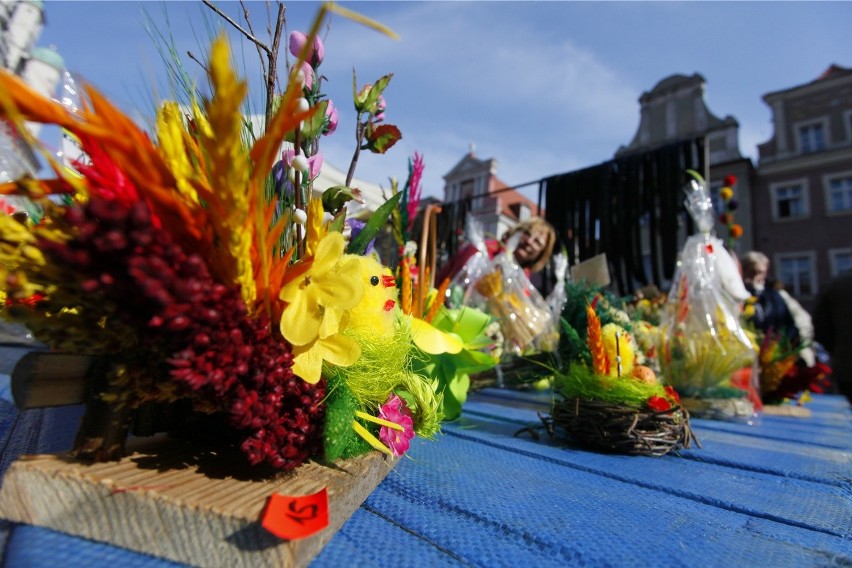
(222,358)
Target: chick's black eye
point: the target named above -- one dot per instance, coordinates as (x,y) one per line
(374,280)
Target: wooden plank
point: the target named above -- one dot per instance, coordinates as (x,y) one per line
(786,410)
(163,502)
(41,379)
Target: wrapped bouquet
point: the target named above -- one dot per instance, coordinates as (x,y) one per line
(704,351)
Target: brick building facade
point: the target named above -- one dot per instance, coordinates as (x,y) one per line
(802,203)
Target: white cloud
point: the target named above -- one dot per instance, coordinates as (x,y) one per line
(466,73)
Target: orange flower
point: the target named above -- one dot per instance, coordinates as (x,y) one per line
(736,230)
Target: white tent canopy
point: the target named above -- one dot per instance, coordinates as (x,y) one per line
(372,194)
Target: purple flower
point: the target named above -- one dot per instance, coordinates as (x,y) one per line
(395,410)
(315,55)
(283,187)
(355,227)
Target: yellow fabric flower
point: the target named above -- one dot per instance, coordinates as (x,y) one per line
(337,349)
(319,299)
(316,228)
(726,193)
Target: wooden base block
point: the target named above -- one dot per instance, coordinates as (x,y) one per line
(169,504)
(786,410)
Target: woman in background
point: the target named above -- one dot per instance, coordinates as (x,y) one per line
(535,246)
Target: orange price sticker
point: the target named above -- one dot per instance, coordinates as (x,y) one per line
(291,518)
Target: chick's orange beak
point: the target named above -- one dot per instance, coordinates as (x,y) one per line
(388,281)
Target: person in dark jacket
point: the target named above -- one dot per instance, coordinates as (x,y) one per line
(833,329)
(776,311)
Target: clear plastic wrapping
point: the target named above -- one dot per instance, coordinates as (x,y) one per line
(704,351)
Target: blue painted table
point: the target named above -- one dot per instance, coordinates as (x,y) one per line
(778,493)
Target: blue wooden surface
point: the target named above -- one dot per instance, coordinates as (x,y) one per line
(778,493)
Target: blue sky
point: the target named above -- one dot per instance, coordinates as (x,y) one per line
(542,87)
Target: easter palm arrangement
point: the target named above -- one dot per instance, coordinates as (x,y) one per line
(192,281)
(193,275)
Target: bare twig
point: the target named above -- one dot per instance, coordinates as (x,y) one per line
(194,58)
(230,20)
(359,137)
(270,66)
(273,62)
(259,51)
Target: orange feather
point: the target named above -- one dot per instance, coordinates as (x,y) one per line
(595,341)
(438,301)
(405,298)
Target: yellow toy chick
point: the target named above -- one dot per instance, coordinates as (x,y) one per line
(376,312)
(626,350)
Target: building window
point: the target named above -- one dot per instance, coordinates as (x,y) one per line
(840,193)
(811,138)
(789,201)
(840,261)
(849,124)
(796,273)
(848,115)
(467,189)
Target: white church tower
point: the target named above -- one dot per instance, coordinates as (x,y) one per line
(21,24)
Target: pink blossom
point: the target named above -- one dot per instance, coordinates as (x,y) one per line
(395,410)
(308,72)
(314,162)
(315,55)
(331,113)
(381,105)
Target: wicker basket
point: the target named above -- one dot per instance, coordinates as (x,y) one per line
(621,429)
(516,371)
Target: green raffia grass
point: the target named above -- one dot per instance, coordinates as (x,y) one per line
(579,381)
(385,367)
(339,438)
(700,366)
